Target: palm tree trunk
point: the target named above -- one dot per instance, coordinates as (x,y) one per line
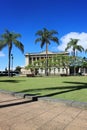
(9,59)
(74,61)
(46,71)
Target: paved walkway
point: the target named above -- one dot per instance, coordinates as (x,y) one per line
(22,114)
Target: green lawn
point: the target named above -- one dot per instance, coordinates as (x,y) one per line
(71,88)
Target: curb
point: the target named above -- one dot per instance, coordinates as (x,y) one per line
(72,103)
(82,105)
(23,95)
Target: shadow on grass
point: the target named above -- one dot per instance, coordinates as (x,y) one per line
(11,81)
(59,90)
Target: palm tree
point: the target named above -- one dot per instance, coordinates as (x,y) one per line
(8,39)
(73,44)
(45,37)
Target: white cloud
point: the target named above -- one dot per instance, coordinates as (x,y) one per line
(75,35)
(1,54)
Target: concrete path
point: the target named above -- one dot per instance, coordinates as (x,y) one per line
(22,114)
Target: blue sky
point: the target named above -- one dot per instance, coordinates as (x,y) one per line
(68,17)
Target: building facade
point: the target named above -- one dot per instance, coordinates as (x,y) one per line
(31,58)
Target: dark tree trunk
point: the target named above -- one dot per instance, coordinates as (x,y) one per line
(9,60)
(46,71)
(74,55)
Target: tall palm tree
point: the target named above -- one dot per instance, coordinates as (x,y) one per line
(74,45)
(8,39)
(45,37)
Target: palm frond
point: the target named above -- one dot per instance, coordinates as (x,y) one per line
(10,35)
(53,32)
(42,44)
(79,48)
(68,46)
(39,33)
(38,40)
(19,45)
(71,43)
(2,44)
(45,36)
(55,39)
(16,35)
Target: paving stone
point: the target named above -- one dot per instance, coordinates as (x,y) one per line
(72,127)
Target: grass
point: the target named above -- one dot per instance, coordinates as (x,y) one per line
(70,88)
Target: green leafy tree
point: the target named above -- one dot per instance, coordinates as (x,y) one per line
(18,68)
(45,36)
(62,61)
(73,44)
(8,39)
(65,62)
(84,62)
